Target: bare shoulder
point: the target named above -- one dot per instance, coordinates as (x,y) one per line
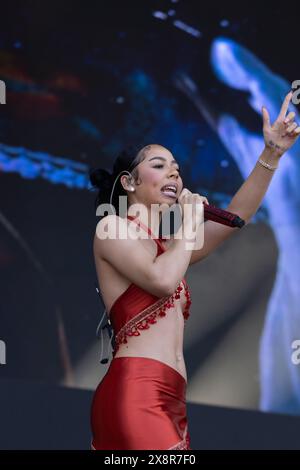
(110,227)
(127,255)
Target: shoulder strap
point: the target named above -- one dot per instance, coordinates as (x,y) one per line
(147,229)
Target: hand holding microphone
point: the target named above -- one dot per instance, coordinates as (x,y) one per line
(192,210)
(211,212)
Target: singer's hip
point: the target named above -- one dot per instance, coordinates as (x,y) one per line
(147,406)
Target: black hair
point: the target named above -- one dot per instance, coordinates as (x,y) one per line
(102,179)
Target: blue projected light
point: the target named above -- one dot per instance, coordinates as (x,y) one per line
(238,68)
(33,165)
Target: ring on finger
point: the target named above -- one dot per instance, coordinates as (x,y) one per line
(292,127)
(289,122)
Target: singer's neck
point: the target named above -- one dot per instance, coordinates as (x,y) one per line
(151,218)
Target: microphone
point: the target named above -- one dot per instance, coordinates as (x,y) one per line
(222,217)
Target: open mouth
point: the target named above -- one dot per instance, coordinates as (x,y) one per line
(169,190)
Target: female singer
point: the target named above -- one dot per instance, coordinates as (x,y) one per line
(140,402)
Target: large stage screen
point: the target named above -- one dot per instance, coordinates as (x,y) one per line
(80,82)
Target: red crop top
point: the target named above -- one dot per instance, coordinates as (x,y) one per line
(136,309)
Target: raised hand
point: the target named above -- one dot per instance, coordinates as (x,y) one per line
(239,68)
(284,132)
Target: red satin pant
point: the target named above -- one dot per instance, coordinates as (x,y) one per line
(140,404)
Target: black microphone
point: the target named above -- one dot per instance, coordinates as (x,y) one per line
(222,217)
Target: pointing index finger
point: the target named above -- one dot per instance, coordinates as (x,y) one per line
(285,105)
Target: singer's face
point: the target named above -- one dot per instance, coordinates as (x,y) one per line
(158,169)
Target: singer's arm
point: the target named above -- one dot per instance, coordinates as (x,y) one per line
(244,203)
(278,138)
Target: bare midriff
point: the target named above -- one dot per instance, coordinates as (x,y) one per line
(163,341)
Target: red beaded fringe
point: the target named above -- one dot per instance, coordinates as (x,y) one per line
(184,444)
(144,319)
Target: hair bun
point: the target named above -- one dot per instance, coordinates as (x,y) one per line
(100,178)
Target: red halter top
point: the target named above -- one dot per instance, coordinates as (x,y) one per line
(136,309)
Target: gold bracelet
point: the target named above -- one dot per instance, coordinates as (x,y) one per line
(266,165)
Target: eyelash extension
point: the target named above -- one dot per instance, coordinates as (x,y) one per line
(160,166)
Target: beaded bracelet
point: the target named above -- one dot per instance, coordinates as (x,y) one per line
(267,165)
